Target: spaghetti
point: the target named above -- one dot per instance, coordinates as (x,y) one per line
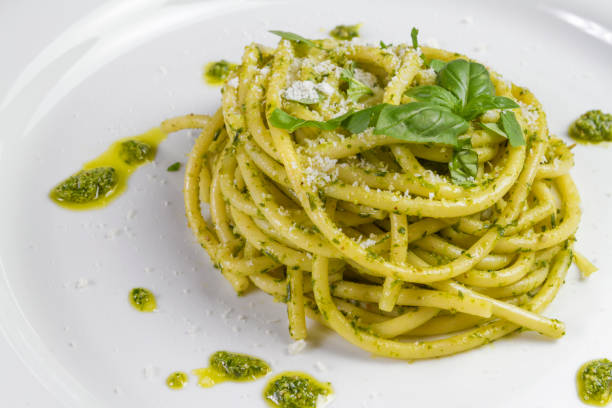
(368,233)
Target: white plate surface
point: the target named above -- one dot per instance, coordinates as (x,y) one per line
(76,76)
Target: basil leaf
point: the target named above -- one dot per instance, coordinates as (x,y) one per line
(494,127)
(466,80)
(363,119)
(354,122)
(283,120)
(464,165)
(356,89)
(414,35)
(512,128)
(174,166)
(484,102)
(295,37)
(420,122)
(384,46)
(434,94)
(436,64)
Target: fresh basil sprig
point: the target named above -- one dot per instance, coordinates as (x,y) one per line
(356,89)
(354,121)
(483,103)
(295,37)
(464,165)
(436,64)
(414,35)
(466,80)
(434,94)
(420,122)
(466,89)
(507,126)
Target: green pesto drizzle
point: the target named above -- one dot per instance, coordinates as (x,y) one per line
(142,299)
(104,178)
(228,366)
(295,390)
(177,380)
(594,382)
(593,126)
(216,72)
(345,32)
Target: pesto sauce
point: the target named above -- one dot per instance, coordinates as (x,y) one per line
(594,382)
(592,127)
(228,366)
(295,390)
(177,380)
(142,299)
(345,32)
(216,72)
(104,178)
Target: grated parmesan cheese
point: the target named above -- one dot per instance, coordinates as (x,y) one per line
(296,347)
(303,92)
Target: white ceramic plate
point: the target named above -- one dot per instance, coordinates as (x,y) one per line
(76,76)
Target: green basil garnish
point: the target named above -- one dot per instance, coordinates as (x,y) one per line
(295,37)
(414,34)
(356,89)
(464,165)
(436,64)
(507,126)
(466,80)
(434,94)
(420,122)
(483,103)
(512,128)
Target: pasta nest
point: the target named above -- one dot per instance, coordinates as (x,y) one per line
(366,233)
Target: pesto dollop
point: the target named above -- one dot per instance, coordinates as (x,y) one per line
(217,72)
(133,151)
(86,185)
(105,178)
(142,299)
(228,366)
(593,126)
(295,390)
(177,380)
(595,382)
(239,367)
(345,32)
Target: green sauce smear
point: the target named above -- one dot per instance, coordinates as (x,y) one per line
(104,178)
(295,390)
(133,151)
(177,380)
(593,126)
(142,299)
(345,32)
(215,73)
(228,366)
(594,380)
(86,186)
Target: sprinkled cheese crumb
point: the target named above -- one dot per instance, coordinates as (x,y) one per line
(296,347)
(368,243)
(529,113)
(302,92)
(320,367)
(325,88)
(82,283)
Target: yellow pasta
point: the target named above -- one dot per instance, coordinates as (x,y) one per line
(368,233)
